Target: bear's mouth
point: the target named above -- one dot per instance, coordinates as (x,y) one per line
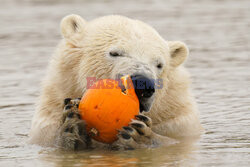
(142,102)
(143,88)
(145,105)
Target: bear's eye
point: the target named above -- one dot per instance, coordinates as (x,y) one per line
(159,66)
(114,54)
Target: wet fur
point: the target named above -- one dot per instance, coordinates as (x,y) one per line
(83,53)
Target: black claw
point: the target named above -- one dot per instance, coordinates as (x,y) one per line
(76,145)
(78,115)
(137,125)
(67,107)
(127,128)
(66,130)
(142,118)
(125,136)
(69,130)
(66,101)
(70,115)
(81,130)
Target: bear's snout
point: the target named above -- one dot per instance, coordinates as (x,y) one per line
(144,89)
(144,86)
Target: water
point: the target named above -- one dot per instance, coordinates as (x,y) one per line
(217,33)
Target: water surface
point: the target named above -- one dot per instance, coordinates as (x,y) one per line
(217,33)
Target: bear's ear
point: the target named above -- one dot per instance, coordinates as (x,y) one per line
(72,28)
(178,52)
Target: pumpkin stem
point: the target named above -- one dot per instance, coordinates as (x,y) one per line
(128,88)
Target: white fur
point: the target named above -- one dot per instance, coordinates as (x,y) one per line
(83,52)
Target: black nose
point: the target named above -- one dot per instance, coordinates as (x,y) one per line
(144,87)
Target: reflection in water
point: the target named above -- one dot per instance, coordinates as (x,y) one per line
(217,33)
(177,155)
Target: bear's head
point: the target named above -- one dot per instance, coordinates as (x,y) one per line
(113,46)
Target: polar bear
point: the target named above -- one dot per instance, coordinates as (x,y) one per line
(109,47)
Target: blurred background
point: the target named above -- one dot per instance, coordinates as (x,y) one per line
(217,33)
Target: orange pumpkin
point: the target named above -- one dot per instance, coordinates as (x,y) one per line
(106,108)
